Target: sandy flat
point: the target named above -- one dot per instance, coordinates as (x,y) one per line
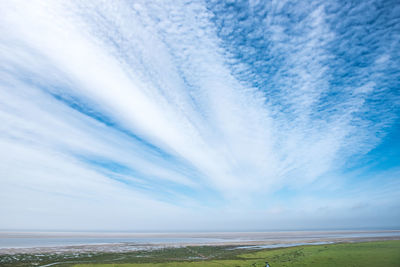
(283,238)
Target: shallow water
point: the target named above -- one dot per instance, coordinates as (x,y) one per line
(30,242)
(272,239)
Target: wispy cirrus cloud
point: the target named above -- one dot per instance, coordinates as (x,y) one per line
(191,105)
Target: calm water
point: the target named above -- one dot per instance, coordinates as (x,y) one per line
(35,239)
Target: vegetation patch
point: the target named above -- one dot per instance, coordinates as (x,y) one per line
(383,253)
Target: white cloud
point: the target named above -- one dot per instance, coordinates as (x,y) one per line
(161,73)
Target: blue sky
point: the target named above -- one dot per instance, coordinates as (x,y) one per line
(199,115)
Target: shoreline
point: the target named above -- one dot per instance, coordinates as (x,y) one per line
(242,240)
(379,253)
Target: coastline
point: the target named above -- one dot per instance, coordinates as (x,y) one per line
(176,240)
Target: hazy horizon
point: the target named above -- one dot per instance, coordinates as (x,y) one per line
(199,115)
(197,230)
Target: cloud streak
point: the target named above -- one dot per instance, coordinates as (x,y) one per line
(189,106)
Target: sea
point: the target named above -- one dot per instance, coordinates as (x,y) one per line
(35,239)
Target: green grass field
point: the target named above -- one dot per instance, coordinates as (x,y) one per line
(379,254)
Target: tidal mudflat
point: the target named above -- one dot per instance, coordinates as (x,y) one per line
(28,249)
(366,254)
(32,242)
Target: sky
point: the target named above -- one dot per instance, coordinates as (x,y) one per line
(199,115)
